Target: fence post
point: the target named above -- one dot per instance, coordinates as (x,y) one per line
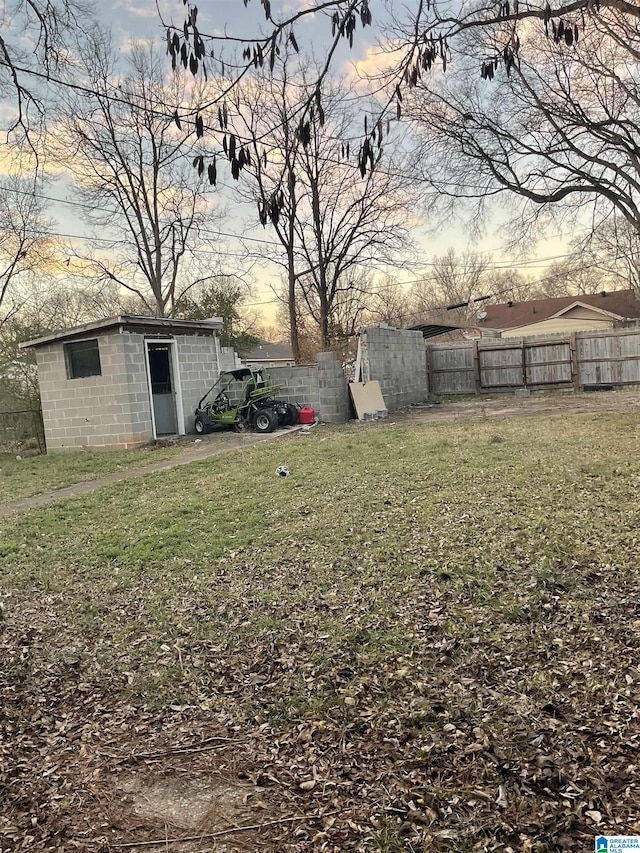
(429,369)
(573,360)
(38,423)
(476,366)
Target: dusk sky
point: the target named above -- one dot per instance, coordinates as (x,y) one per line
(139,19)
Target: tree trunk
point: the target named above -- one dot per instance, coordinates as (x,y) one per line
(291,269)
(293,312)
(324,313)
(159,306)
(321,279)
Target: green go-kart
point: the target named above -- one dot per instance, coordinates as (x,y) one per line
(244,398)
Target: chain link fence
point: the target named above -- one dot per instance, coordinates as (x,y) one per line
(21,430)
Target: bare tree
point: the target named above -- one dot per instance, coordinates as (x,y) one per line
(309,343)
(132,166)
(332,225)
(270,173)
(58,301)
(605,259)
(345,222)
(613,252)
(389,302)
(346,315)
(573,275)
(518,98)
(555,122)
(25,244)
(504,284)
(35,36)
(452,291)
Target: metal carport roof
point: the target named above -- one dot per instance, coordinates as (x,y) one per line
(432,330)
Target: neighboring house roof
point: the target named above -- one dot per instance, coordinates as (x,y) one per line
(618,305)
(267,351)
(131,322)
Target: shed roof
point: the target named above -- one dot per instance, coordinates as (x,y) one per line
(619,304)
(131,322)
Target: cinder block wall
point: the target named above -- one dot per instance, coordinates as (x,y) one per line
(92,412)
(322,385)
(397,359)
(334,392)
(141,424)
(298,384)
(199,368)
(197,357)
(113,410)
(228,359)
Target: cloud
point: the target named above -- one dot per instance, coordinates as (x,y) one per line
(378,60)
(299,6)
(21,160)
(139,9)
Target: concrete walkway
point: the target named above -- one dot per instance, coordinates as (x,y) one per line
(208,449)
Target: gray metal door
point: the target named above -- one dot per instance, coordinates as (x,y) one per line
(162,389)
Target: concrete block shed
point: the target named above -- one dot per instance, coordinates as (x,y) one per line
(121,382)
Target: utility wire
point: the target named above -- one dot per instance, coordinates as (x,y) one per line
(498,265)
(85,90)
(246,140)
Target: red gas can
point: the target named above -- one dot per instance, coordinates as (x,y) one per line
(307,415)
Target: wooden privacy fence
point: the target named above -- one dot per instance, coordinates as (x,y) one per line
(579,360)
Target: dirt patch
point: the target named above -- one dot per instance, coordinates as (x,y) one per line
(509,406)
(186,804)
(176,805)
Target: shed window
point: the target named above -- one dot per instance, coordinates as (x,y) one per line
(83,359)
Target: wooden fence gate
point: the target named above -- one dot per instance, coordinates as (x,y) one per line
(524,364)
(578,360)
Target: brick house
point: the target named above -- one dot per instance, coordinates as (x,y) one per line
(121,382)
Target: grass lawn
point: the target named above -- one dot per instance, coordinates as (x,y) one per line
(427,638)
(32,475)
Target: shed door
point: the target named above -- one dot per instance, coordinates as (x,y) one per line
(163,392)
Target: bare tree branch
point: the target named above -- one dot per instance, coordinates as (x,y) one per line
(132,166)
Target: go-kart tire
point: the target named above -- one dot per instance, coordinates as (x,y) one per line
(292,417)
(265,420)
(199,425)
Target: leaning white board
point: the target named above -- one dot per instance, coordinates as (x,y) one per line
(367,398)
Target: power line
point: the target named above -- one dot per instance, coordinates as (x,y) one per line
(502,265)
(85,90)
(246,140)
(534,263)
(87,206)
(477,189)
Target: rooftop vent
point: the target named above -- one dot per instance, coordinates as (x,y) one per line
(481,315)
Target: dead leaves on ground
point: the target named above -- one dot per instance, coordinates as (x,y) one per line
(432,665)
